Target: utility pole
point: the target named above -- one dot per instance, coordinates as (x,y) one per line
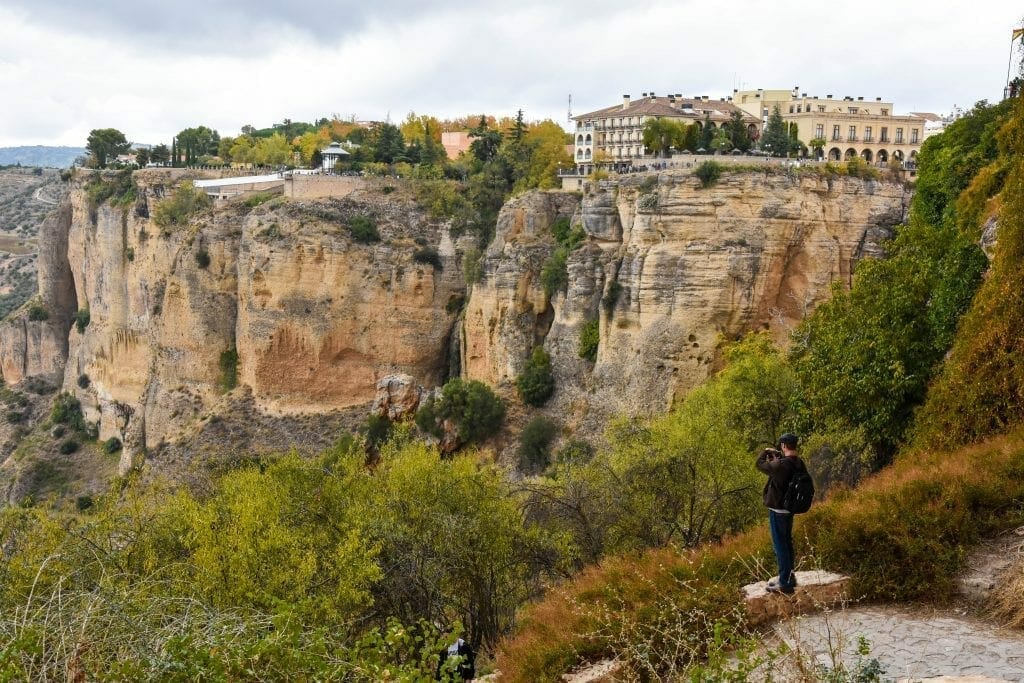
(569,117)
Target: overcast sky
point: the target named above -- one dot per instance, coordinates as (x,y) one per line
(151,68)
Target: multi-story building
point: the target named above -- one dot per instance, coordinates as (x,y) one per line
(614,135)
(851,127)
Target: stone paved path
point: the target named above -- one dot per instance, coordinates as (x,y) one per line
(910,645)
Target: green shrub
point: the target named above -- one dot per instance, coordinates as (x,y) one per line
(576,451)
(376,429)
(455,303)
(67,410)
(202,258)
(112,445)
(119,190)
(474,408)
(708,172)
(535,444)
(68,446)
(554,274)
(536,384)
(428,256)
(590,338)
(83,503)
(83,381)
(37,312)
(257,198)
(186,201)
(611,297)
(82,320)
(363,229)
(228,365)
(472,266)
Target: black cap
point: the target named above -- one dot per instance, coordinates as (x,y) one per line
(789,439)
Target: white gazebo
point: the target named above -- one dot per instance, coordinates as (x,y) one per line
(331,155)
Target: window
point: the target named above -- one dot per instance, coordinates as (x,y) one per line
(821,108)
(885,112)
(913,136)
(819,130)
(764,112)
(899,135)
(867,133)
(885,135)
(852,134)
(853,110)
(791,108)
(835,132)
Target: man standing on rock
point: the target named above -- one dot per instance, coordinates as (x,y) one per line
(780,468)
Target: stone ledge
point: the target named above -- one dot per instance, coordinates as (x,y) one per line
(814,590)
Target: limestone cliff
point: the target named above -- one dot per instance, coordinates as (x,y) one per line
(668,268)
(281,297)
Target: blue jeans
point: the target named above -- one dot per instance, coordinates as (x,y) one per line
(781,526)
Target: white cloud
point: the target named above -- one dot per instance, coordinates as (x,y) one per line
(64,73)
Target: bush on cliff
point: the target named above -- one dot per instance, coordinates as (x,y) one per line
(535,444)
(363,229)
(536,384)
(590,339)
(708,173)
(475,410)
(37,312)
(176,210)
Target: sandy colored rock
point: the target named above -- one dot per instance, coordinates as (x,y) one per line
(816,590)
(398,397)
(668,270)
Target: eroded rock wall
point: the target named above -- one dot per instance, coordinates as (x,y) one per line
(669,269)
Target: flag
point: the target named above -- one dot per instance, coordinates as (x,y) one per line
(1017,33)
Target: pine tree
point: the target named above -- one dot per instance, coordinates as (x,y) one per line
(776,141)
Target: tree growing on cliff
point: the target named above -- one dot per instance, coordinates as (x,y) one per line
(661,135)
(104,144)
(475,410)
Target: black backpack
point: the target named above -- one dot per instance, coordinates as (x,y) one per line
(799,492)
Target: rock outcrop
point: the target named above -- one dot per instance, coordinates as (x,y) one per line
(668,269)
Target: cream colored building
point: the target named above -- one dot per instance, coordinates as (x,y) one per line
(614,135)
(850,126)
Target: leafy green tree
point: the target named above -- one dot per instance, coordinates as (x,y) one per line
(738,133)
(660,135)
(476,411)
(486,141)
(104,144)
(196,142)
(776,139)
(721,142)
(536,384)
(707,133)
(691,138)
(535,444)
(388,144)
(160,154)
(141,156)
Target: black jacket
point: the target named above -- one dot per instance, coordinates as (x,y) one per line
(780,469)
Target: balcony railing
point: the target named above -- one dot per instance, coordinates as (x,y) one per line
(851,138)
(883,139)
(898,141)
(868,138)
(837,138)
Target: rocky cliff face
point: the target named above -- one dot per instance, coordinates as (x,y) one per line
(279,296)
(309,320)
(668,269)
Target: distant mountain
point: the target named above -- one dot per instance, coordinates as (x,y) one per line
(40,155)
